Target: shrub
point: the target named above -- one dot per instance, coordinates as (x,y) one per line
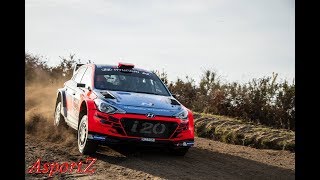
(262,101)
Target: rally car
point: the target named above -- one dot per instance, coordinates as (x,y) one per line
(115,104)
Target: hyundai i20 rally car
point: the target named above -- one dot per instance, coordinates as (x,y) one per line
(121,104)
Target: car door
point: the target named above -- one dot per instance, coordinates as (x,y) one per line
(69,90)
(87,80)
(73,92)
(81,92)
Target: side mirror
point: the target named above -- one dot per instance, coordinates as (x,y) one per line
(81,85)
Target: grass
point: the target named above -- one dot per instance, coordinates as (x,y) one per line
(235,131)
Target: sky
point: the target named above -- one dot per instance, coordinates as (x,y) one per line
(239,39)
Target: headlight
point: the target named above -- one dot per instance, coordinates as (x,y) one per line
(106,107)
(182,115)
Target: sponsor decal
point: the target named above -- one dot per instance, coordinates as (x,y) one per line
(185,144)
(99,138)
(106,69)
(54,168)
(147,104)
(122,70)
(125,70)
(148,139)
(96,137)
(146,73)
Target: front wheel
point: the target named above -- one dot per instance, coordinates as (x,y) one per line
(85,146)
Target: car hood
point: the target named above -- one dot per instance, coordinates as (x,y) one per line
(140,103)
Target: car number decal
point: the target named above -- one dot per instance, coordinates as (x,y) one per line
(148,128)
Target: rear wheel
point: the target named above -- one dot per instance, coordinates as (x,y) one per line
(58,117)
(179,151)
(85,145)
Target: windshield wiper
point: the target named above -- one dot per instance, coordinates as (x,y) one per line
(137,92)
(149,93)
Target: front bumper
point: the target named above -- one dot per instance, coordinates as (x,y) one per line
(107,140)
(108,129)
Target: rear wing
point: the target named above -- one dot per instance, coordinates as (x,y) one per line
(76,66)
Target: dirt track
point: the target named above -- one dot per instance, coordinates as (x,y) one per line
(207,160)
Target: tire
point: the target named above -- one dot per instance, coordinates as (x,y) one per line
(179,151)
(58,117)
(85,145)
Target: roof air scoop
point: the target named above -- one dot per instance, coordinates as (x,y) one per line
(125,65)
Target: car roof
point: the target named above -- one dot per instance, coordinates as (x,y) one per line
(115,66)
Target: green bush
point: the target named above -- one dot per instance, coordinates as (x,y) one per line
(263,101)
(37,70)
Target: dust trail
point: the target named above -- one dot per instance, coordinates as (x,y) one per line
(40,99)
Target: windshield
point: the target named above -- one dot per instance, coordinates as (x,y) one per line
(129,80)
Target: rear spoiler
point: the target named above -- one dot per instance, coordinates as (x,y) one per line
(76,67)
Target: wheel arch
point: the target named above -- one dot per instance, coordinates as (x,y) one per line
(85,107)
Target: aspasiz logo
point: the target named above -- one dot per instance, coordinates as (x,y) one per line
(54,168)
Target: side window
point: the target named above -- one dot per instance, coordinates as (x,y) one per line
(79,74)
(87,77)
(75,75)
(72,78)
